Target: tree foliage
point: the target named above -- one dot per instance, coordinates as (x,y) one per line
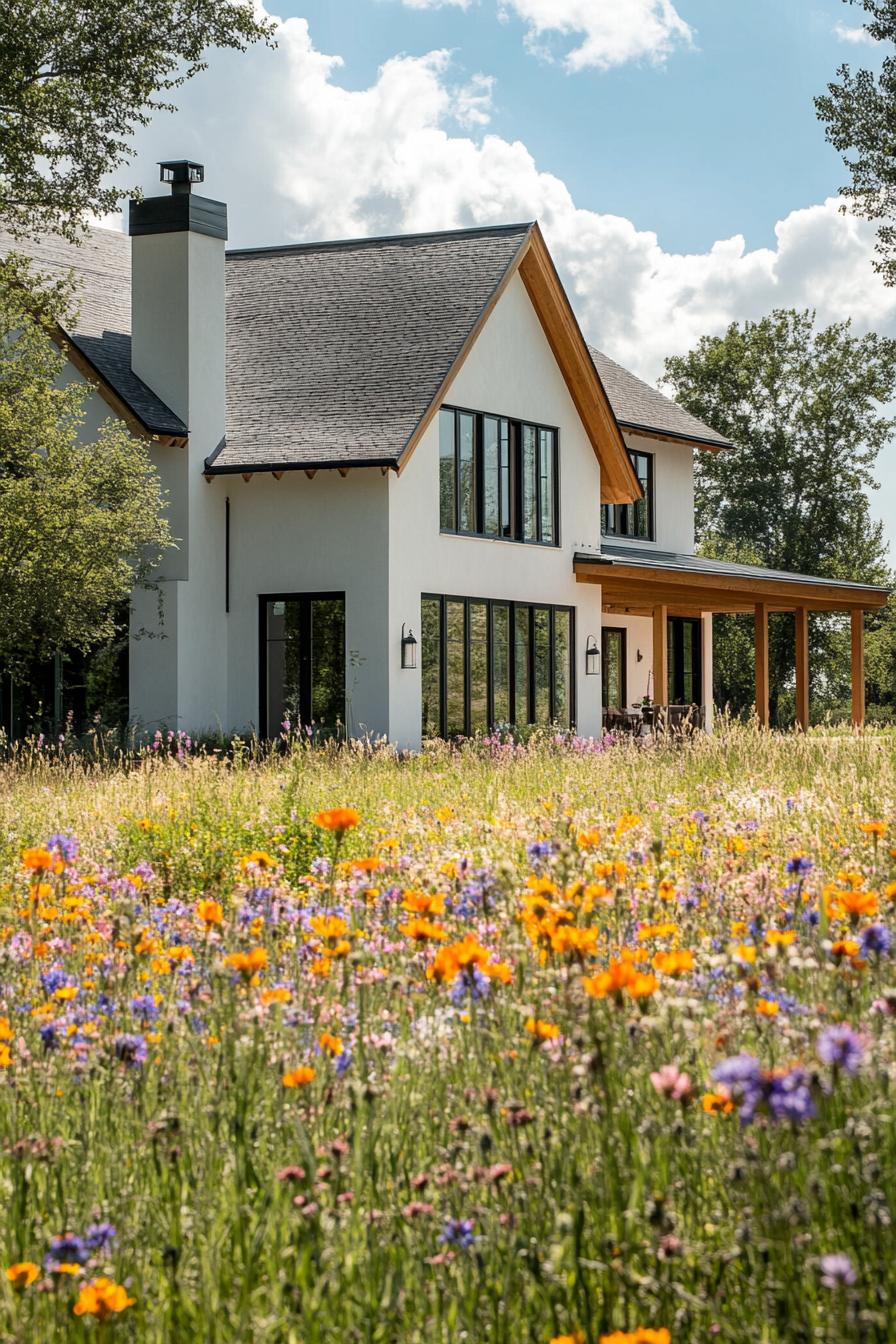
(804,406)
(77,77)
(859,114)
(80,523)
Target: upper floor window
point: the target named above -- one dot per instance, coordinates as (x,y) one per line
(632,520)
(497,477)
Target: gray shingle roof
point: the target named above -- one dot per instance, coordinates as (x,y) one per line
(102,330)
(649,558)
(336,351)
(639,406)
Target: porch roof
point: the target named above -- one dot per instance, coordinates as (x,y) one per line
(637,579)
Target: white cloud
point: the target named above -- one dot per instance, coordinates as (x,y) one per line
(436,4)
(608,32)
(852,34)
(297,156)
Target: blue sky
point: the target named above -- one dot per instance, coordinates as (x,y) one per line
(669,148)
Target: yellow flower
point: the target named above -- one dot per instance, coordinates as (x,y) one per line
(577,1337)
(639,1336)
(23,1274)
(331,1045)
(5,1057)
(299,1077)
(247,963)
(338,819)
(65,993)
(780,938)
(673,963)
(102,1298)
(279,994)
(259,858)
(542,1031)
(422,903)
(423,930)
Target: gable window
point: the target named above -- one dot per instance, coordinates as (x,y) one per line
(497,477)
(488,663)
(632,520)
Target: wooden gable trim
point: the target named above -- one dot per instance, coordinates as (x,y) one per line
(92,375)
(618,482)
(638,432)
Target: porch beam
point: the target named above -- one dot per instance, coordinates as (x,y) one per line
(660,655)
(858,668)
(773,592)
(801,617)
(761,649)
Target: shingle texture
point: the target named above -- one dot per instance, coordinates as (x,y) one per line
(648,558)
(335,351)
(102,328)
(637,405)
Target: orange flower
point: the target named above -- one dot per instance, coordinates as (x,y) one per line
(5,1057)
(279,994)
(330,1045)
(457,957)
(780,938)
(210,912)
(588,839)
(767,1008)
(673,963)
(648,931)
(542,1031)
(620,977)
(40,860)
(844,947)
(876,828)
(299,1077)
(423,930)
(23,1274)
(102,1298)
(572,941)
(640,1336)
(247,963)
(717,1103)
(422,903)
(338,819)
(851,904)
(577,1337)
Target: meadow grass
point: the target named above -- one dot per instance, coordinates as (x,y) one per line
(552,1044)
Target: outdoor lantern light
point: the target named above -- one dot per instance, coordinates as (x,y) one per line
(592,657)
(408,650)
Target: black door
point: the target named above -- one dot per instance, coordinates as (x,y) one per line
(685,661)
(303,664)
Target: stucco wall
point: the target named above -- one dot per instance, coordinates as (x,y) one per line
(673,494)
(295,535)
(510,371)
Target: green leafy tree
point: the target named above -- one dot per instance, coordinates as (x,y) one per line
(859,115)
(80,523)
(804,405)
(77,77)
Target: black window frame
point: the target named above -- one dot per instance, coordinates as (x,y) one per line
(616,519)
(306,690)
(675,647)
(623,679)
(512,608)
(515,426)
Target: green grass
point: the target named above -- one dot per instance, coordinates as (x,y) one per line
(596,1204)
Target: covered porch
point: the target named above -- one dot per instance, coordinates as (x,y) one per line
(666,589)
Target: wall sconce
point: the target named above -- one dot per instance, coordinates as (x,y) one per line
(640,656)
(592,657)
(408,650)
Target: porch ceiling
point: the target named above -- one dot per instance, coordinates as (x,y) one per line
(636,584)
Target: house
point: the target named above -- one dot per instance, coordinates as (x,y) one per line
(407,495)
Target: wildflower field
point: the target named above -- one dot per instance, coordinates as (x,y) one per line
(500,1044)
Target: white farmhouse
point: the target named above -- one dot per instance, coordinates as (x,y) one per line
(409,499)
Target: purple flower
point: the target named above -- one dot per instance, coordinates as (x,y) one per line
(66,1250)
(130,1050)
(457,1232)
(471,981)
(66,846)
(841,1047)
(539,850)
(799,865)
(837,1270)
(100,1235)
(145,1007)
(876,938)
(738,1071)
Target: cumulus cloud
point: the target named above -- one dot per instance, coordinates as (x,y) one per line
(605,32)
(298,156)
(436,4)
(856,34)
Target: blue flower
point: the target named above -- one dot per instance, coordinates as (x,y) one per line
(100,1235)
(66,1250)
(876,938)
(799,865)
(145,1007)
(130,1050)
(66,846)
(539,850)
(841,1047)
(458,1232)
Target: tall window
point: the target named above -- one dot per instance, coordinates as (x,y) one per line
(487,663)
(685,660)
(303,663)
(632,520)
(497,478)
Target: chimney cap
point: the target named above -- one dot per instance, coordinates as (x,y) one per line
(181,174)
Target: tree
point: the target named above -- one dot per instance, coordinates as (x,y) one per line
(859,113)
(804,407)
(77,77)
(80,523)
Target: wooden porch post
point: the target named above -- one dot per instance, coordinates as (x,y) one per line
(660,656)
(801,617)
(858,667)
(761,646)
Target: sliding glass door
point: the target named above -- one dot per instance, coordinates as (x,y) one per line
(303,663)
(488,663)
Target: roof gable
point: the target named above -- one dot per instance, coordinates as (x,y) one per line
(642,409)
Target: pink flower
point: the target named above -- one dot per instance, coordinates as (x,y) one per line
(670,1082)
